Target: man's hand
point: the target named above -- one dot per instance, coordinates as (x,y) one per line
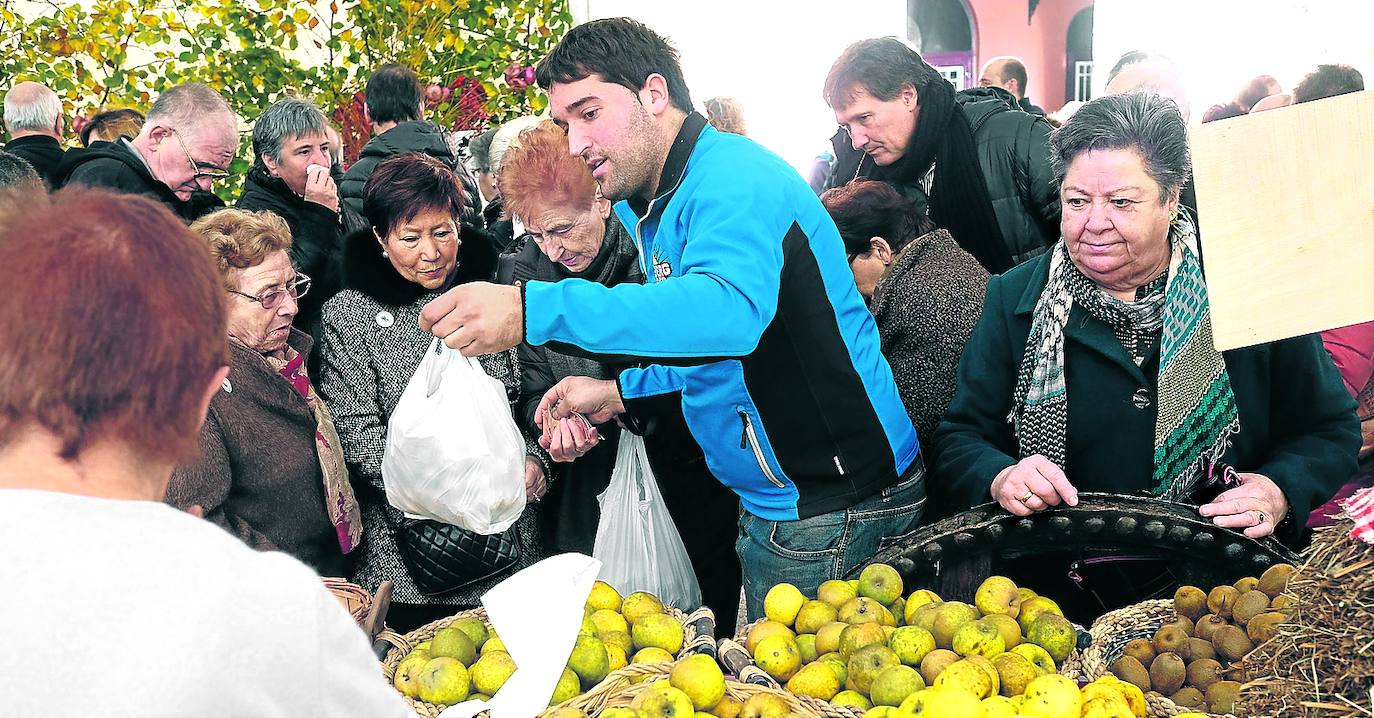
(320,188)
(1033,484)
(476,318)
(535,484)
(1257,506)
(596,399)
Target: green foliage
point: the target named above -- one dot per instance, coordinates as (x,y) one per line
(122,53)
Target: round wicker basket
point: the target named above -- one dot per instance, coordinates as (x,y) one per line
(617,690)
(355,599)
(1112,631)
(697,629)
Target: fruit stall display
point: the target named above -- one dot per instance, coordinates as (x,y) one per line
(866,646)
(1187,654)
(461,658)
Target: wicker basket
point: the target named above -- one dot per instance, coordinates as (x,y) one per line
(355,599)
(697,637)
(617,690)
(1110,634)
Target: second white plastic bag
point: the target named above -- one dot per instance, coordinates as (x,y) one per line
(636,541)
(453,452)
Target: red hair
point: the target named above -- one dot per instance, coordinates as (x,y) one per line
(537,171)
(113,322)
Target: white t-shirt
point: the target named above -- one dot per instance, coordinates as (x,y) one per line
(132,608)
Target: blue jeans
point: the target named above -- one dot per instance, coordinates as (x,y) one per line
(808,552)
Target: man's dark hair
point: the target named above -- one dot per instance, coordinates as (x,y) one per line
(1223,112)
(865,208)
(1132,57)
(619,50)
(1328,81)
(1012,69)
(123,122)
(1258,88)
(882,66)
(393,94)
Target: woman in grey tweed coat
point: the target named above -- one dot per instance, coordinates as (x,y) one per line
(372,344)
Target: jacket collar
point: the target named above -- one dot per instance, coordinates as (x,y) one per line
(676,164)
(250,371)
(1081,327)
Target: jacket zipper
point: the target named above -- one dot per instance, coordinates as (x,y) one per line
(748,439)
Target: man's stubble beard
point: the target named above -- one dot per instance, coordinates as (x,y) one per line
(633,173)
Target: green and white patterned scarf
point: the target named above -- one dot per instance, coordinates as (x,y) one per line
(1196,410)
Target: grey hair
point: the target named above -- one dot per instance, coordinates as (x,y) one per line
(507,136)
(285,119)
(35,110)
(1148,123)
(17,173)
(190,107)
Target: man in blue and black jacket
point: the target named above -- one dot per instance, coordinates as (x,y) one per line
(749,319)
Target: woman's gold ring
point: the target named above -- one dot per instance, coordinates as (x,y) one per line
(1027,497)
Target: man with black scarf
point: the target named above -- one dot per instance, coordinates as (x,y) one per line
(972,160)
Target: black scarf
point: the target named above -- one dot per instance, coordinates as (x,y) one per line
(959,198)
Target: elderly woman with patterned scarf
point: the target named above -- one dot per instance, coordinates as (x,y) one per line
(1093,368)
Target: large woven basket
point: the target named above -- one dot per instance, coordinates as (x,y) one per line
(1112,631)
(617,690)
(355,599)
(697,637)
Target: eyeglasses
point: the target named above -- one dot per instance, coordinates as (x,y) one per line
(212,173)
(272,298)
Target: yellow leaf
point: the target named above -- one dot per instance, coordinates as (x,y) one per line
(300,15)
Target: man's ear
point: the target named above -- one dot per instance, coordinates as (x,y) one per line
(270,163)
(157,135)
(908,96)
(654,94)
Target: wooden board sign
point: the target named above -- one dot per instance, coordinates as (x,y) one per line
(1286,207)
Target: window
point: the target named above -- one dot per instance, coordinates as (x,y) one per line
(953,73)
(1083,80)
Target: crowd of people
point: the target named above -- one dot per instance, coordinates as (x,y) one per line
(972,305)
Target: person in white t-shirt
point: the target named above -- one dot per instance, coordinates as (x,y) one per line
(115,604)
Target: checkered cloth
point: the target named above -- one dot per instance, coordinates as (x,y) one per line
(1360,508)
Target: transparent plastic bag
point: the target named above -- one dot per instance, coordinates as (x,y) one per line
(636,540)
(453,452)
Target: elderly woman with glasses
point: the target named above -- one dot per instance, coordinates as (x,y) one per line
(270,468)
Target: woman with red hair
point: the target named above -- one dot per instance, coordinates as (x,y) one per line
(569,234)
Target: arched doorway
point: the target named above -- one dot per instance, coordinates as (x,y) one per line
(1078,57)
(943,32)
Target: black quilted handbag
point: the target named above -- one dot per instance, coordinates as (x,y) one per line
(442,557)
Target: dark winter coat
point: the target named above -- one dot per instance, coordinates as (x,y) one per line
(117,166)
(257,473)
(1297,421)
(412,136)
(1013,150)
(925,307)
(44,152)
(371,346)
(316,238)
(1027,106)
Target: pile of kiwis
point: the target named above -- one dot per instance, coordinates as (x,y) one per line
(1189,660)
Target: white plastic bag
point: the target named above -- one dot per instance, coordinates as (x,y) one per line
(453,452)
(636,541)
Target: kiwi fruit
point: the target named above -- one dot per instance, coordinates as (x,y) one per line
(1264,626)
(1207,625)
(1167,673)
(1190,698)
(1140,649)
(1200,648)
(1171,638)
(1128,669)
(1246,584)
(1221,599)
(1221,696)
(1190,601)
(1282,602)
(1202,673)
(1231,643)
(1275,579)
(1249,605)
(1185,623)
